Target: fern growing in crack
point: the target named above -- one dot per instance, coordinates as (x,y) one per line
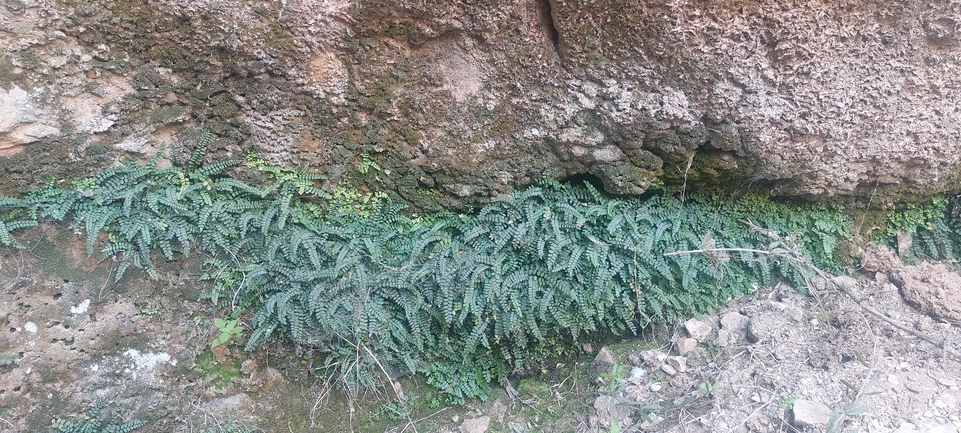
(97,420)
(465,300)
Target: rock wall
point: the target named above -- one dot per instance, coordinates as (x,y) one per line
(455,102)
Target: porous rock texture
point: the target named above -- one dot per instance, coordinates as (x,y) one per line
(457,101)
(933,288)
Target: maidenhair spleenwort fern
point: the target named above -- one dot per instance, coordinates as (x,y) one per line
(464,300)
(96,421)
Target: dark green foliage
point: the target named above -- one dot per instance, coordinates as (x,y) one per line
(96,421)
(932,225)
(464,300)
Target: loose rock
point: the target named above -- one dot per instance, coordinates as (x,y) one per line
(697,329)
(653,358)
(476,425)
(809,413)
(733,326)
(760,327)
(933,288)
(686,345)
(604,359)
(878,258)
(679,363)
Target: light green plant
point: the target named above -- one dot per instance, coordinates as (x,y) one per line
(707,388)
(228,328)
(855,408)
(615,426)
(615,379)
(367,164)
(394,410)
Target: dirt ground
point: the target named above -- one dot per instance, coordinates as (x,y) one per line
(777,360)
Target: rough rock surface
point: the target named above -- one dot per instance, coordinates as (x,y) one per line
(934,288)
(459,101)
(809,413)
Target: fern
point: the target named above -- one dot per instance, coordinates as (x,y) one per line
(200,150)
(461,299)
(96,421)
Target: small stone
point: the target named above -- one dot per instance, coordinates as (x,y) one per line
(789,311)
(667,368)
(686,345)
(655,387)
(905,244)
(809,413)
(762,327)
(653,358)
(476,425)
(697,329)
(947,382)
(604,359)
(678,362)
(733,326)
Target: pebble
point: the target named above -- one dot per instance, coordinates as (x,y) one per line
(655,387)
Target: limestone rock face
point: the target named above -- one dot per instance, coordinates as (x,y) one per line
(458,101)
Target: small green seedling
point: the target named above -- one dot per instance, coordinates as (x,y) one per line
(707,388)
(615,378)
(227,327)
